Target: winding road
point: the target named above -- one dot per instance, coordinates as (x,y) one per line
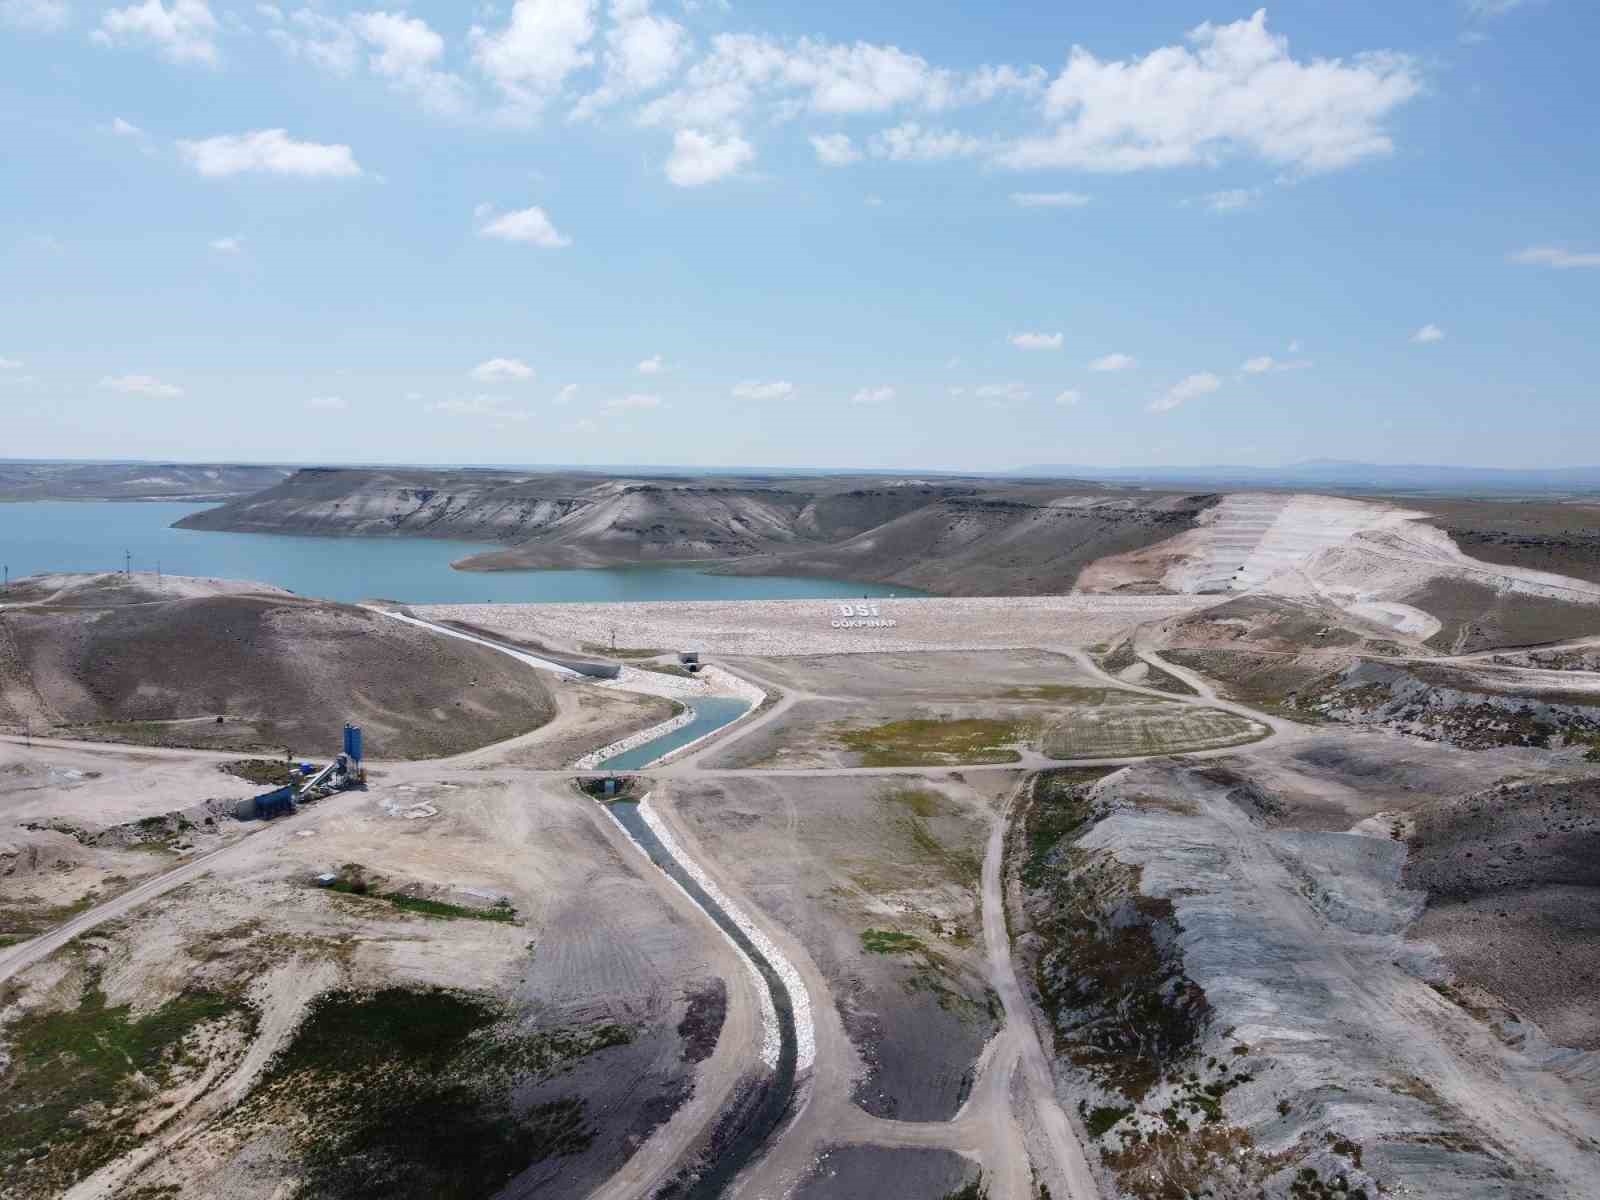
(1013,1123)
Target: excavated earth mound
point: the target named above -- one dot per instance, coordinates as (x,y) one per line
(123,661)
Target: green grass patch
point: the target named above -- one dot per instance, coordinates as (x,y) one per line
(1059,809)
(620,651)
(19,922)
(1104,1118)
(954,743)
(407,1092)
(973,1190)
(921,802)
(266,772)
(352,881)
(70,1068)
(888,941)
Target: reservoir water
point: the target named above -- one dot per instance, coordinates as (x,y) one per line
(46,535)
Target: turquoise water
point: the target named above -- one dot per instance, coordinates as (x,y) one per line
(711,713)
(48,535)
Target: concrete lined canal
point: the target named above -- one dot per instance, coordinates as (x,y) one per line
(711,713)
(739,1146)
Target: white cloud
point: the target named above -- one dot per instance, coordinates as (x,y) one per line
(699,158)
(1190,388)
(652,365)
(125,128)
(742,71)
(1555,256)
(413,396)
(226,245)
(583,425)
(543,43)
(1068,398)
(326,402)
(1294,346)
(751,389)
(1234,91)
(141,385)
(643,52)
(835,149)
(1427,334)
(910,142)
(1114,362)
(271,151)
(1232,200)
(405,51)
(1265,364)
(185,32)
(9,364)
(635,400)
(1001,392)
(872,200)
(875,395)
(567,394)
(39,16)
(1049,199)
(271,12)
(529,225)
(501,370)
(328,43)
(1036,341)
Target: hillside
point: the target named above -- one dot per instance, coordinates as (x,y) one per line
(946,534)
(109,656)
(133,481)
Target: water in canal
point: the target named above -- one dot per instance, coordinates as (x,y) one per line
(710,714)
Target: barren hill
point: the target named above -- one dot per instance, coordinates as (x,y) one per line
(113,656)
(133,481)
(945,534)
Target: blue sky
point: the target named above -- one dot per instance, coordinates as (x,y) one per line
(858,235)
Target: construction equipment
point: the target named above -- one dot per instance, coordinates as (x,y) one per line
(345,771)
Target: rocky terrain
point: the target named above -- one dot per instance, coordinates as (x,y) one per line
(1311,918)
(945,534)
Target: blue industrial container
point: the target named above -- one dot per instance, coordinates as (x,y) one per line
(275,803)
(352,742)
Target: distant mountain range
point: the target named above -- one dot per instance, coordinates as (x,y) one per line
(1324,473)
